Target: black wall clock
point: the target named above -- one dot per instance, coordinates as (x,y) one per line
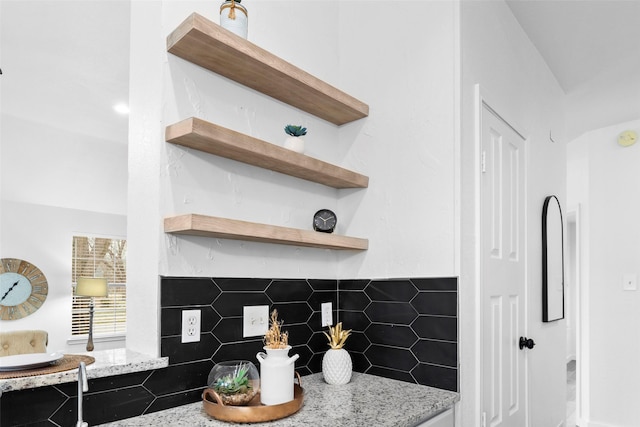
(23,288)
(325,221)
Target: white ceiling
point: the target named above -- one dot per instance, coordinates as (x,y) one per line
(589,45)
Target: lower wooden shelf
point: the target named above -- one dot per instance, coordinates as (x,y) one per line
(211,226)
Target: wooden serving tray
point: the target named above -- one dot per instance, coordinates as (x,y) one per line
(254,412)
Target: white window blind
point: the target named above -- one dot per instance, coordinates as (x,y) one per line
(100,257)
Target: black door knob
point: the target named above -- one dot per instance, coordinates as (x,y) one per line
(526,342)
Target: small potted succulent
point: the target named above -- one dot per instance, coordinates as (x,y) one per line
(276,367)
(295,141)
(336,362)
(236,382)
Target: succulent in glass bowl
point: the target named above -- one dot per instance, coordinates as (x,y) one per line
(236,382)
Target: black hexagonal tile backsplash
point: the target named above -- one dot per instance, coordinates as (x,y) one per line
(402,328)
(405,329)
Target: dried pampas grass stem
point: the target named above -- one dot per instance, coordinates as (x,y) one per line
(275,337)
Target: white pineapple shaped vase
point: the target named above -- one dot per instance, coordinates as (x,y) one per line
(337,366)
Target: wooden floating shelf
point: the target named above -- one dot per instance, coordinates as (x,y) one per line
(210,46)
(210,226)
(210,138)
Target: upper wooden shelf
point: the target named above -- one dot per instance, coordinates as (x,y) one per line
(210,226)
(207,44)
(208,137)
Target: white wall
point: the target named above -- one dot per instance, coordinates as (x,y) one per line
(57,166)
(402,59)
(497,55)
(406,146)
(63,164)
(610,204)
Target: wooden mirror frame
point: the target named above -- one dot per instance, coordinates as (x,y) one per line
(552,260)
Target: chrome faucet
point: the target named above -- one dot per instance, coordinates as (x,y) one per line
(83,385)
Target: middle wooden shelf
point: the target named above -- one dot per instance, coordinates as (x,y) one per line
(211,138)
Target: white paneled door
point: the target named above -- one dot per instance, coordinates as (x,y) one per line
(504,397)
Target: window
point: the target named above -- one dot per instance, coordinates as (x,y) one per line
(100,257)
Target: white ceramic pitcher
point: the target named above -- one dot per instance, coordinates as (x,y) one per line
(276,375)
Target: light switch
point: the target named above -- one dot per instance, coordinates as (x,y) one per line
(629,282)
(255,320)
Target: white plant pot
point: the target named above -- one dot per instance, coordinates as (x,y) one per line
(234,17)
(295,143)
(337,366)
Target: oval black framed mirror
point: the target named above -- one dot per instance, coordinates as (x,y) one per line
(552,261)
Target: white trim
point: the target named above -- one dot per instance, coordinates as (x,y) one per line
(457,185)
(80,339)
(485,98)
(77,233)
(581,295)
(457,142)
(98,235)
(477,273)
(527,370)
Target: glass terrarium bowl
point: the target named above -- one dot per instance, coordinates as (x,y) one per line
(235,381)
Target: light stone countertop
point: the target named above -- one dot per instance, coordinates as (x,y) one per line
(108,363)
(366,401)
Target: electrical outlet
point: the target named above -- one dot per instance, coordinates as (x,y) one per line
(327,314)
(190,325)
(255,320)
